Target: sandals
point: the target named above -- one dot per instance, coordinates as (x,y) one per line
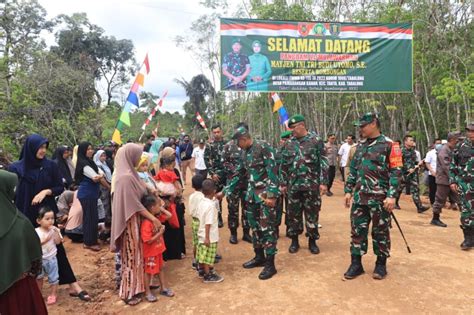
(151,298)
(133,301)
(154,287)
(83,296)
(95,248)
(51,300)
(167,292)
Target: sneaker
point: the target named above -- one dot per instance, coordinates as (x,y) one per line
(194,265)
(213,277)
(201,273)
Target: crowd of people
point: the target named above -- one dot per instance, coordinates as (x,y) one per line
(131,197)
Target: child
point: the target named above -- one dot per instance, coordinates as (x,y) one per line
(208,233)
(194,200)
(49,236)
(154,246)
(168,181)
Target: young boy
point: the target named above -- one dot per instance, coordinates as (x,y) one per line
(154,246)
(208,233)
(49,236)
(194,200)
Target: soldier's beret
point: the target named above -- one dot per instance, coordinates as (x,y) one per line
(365,119)
(285,134)
(240,132)
(295,119)
(470,126)
(236,40)
(256,42)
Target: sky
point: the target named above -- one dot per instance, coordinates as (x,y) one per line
(152,26)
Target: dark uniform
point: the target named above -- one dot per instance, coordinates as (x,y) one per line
(282,204)
(461,172)
(411,179)
(214,159)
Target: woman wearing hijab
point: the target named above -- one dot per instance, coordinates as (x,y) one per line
(154,155)
(127,210)
(39,182)
(100,158)
(20,261)
(88,178)
(61,156)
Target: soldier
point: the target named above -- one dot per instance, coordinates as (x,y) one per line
(283,200)
(331,150)
(213,157)
(410,172)
(461,179)
(262,193)
(305,176)
(442,178)
(232,157)
(372,186)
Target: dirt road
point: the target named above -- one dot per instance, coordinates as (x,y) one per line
(436,278)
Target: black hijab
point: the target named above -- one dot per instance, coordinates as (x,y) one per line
(83,161)
(29,165)
(62,164)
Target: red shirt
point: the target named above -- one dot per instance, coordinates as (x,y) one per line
(157,247)
(166,176)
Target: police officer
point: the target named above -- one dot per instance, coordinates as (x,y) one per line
(305,176)
(461,179)
(372,186)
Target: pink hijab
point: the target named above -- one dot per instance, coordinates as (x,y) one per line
(128,190)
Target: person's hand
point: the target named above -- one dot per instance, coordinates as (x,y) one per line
(220,195)
(454,187)
(283,190)
(389,204)
(270,202)
(323,189)
(411,170)
(156,224)
(433,174)
(40,197)
(207,242)
(215,177)
(97,178)
(237,80)
(347,200)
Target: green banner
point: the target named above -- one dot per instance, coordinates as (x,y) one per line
(289,56)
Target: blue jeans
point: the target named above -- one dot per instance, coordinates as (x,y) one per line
(50,268)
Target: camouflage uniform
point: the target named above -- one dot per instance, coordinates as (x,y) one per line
(232,156)
(259,167)
(213,157)
(375,174)
(283,200)
(409,161)
(304,168)
(461,172)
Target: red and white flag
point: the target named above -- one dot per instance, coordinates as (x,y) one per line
(201,121)
(153,112)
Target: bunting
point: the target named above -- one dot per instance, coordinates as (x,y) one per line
(131,103)
(277,103)
(153,112)
(201,121)
(280,108)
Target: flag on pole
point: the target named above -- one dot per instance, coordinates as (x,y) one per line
(147,64)
(201,121)
(278,106)
(153,112)
(277,103)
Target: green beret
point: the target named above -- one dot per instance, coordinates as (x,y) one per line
(285,134)
(365,119)
(236,40)
(295,119)
(256,42)
(240,132)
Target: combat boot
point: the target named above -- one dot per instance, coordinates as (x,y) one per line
(247,237)
(257,261)
(220,222)
(436,221)
(313,247)
(294,245)
(380,270)
(269,269)
(468,238)
(355,269)
(233,236)
(421,209)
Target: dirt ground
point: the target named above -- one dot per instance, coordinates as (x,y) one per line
(437,277)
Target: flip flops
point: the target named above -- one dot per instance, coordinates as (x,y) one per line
(167,292)
(83,296)
(151,298)
(51,300)
(133,301)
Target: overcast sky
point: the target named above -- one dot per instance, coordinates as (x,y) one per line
(152,26)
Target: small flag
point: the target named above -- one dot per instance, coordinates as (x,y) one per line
(201,121)
(153,112)
(140,79)
(277,103)
(147,65)
(133,98)
(283,115)
(116,137)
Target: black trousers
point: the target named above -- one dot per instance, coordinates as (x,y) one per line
(342,174)
(90,221)
(66,275)
(432,186)
(332,174)
(203,173)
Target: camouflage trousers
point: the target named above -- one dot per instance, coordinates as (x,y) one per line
(307,203)
(235,200)
(412,181)
(262,222)
(466,194)
(361,215)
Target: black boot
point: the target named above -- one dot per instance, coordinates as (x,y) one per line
(269,270)
(436,221)
(468,238)
(313,247)
(421,209)
(247,237)
(294,245)
(233,236)
(257,261)
(355,269)
(220,221)
(380,270)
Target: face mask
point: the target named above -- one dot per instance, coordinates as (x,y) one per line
(438,147)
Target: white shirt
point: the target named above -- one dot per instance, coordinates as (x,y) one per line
(198,155)
(49,248)
(430,158)
(418,156)
(207,214)
(194,200)
(344,153)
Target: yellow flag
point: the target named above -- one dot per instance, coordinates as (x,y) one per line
(116,137)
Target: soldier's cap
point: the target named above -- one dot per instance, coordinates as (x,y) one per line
(285,134)
(365,119)
(201,141)
(470,126)
(236,40)
(256,43)
(295,119)
(240,132)
(453,135)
